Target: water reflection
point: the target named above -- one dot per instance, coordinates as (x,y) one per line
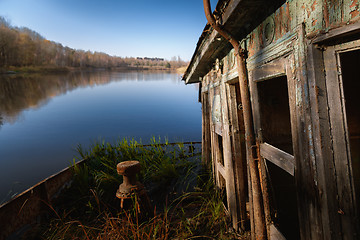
(21,92)
(44,117)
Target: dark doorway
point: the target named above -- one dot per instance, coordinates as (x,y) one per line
(276,131)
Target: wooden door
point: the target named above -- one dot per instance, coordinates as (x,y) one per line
(272,90)
(341,64)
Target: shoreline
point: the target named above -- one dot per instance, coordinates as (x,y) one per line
(51,69)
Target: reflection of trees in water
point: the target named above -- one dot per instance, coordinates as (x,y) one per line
(18,93)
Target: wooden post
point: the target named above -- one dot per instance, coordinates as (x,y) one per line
(238,158)
(213,138)
(205,128)
(228,163)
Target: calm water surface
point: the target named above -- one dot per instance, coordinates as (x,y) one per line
(44,118)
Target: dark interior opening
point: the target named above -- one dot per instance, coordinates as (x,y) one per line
(276,130)
(275,113)
(221,149)
(351,85)
(283,201)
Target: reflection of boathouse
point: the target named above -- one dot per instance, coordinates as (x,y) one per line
(301,63)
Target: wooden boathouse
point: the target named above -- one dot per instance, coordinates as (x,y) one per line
(281,122)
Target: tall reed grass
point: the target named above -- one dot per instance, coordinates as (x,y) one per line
(186,204)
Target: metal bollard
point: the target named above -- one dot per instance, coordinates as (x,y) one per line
(130,188)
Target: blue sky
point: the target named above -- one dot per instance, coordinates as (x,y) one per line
(144,28)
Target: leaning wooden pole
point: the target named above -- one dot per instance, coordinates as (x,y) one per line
(251,146)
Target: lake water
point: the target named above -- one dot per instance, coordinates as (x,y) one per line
(44,117)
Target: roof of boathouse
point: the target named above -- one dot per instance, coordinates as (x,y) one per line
(239,17)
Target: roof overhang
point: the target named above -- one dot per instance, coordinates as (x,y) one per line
(239,17)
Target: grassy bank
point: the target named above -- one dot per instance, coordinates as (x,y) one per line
(185,203)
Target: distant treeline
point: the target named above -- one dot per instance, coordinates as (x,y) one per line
(23,47)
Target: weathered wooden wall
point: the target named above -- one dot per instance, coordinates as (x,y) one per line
(301,42)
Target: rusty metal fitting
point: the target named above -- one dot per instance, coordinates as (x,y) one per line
(130,187)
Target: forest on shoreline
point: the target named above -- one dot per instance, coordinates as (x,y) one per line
(24,50)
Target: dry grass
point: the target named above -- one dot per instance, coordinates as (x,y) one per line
(181,70)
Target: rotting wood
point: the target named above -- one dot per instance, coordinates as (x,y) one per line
(238,158)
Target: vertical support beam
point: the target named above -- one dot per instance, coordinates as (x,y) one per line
(228,163)
(238,157)
(306,173)
(206,141)
(214,140)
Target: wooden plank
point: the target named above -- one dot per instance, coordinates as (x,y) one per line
(228,163)
(280,158)
(213,138)
(216,113)
(206,141)
(203,124)
(221,169)
(239,160)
